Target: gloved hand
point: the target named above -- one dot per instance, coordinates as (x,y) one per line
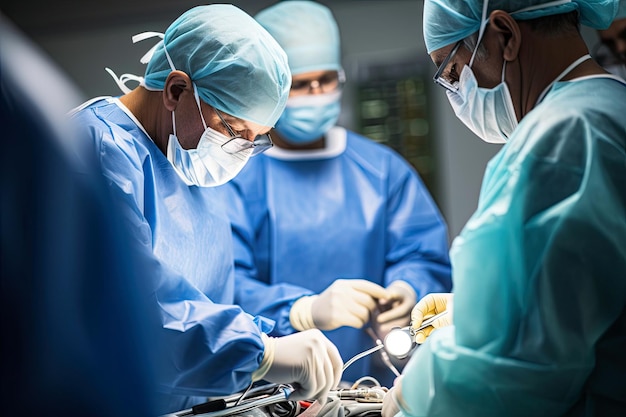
(395,309)
(427,307)
(346,302)
(307,359)
(393,399)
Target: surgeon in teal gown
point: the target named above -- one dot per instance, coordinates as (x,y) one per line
(326,204)
(151,146)
(539,311)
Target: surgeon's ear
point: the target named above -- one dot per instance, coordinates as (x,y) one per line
(510,34)
(175,84)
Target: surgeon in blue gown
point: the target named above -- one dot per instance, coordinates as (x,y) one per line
(213,87)
(539,304)
(332,230)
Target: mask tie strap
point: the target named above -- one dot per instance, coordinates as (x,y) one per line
(542,6)
(481,31)
(174,123)
(147,35)
(124,78)
(563,74)
(195,94)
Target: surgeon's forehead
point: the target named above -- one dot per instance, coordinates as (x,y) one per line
(240,124)
(440,55)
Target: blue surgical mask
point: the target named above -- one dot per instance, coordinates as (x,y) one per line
(307,118)
(488,112)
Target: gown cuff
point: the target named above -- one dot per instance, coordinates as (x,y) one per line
(268,358)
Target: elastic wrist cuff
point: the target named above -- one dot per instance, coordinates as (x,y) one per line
(301,313)
(268,358)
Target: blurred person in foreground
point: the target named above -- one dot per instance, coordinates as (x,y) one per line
(78,327)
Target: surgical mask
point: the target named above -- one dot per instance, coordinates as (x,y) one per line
(208,165)
(307,118)
(488,112)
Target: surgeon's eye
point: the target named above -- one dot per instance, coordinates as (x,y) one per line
(451,75)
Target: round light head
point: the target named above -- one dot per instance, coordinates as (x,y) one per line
(399,342)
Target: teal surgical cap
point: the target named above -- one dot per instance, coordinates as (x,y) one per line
(449,21)
(236,65)
(307,32)
(621,12)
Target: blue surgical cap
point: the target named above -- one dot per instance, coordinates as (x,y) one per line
(449,21)
(236,65)
(307,32)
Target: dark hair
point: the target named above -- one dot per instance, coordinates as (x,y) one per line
(556,24)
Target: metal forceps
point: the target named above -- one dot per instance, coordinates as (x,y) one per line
(428,322)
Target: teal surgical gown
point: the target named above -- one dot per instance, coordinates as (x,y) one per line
(211,345)
(358,211)
(539,273)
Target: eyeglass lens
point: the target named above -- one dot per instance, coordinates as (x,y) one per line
(443,80)
(237,144)
(327,83)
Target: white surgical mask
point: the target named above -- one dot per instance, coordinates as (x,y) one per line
(208,165)
(488,112)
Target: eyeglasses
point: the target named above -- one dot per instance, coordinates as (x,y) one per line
(327,83)
(237,143)
(443,80)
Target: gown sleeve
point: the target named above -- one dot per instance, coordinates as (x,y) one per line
(417,236)
(206,349)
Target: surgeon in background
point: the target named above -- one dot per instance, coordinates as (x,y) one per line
(332,230)
(214,86)
(611,51)
(539,314)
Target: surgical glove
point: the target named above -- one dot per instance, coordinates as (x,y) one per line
(307,360)
(427,307)
(393,399)
(396,308)
(346,302)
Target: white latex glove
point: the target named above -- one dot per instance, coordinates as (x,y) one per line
(393,399)
(346,302)
(427,307)
(307,359)
(396,308)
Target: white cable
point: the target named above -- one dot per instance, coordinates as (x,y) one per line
(362,354)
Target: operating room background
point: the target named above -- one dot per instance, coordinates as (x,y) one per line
(383,52)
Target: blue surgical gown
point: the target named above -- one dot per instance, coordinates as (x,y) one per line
(211,345)
(301,224)
(539,273)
